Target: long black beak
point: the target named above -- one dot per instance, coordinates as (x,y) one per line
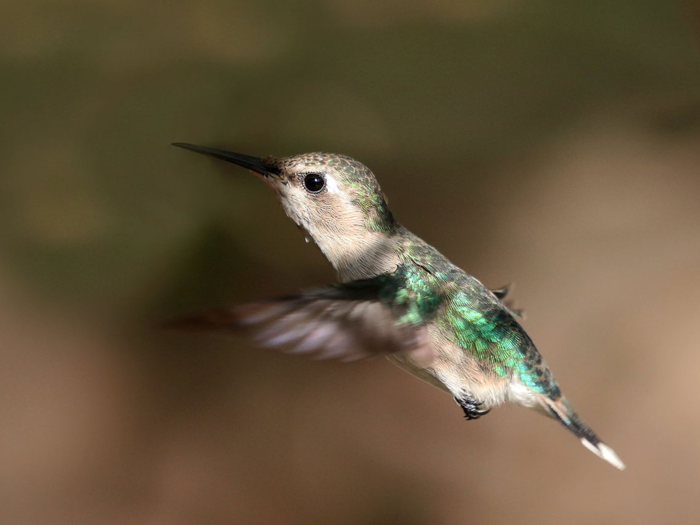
(255,164)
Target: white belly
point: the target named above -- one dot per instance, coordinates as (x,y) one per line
(456,372)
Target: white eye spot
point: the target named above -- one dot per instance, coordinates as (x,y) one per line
(331,185)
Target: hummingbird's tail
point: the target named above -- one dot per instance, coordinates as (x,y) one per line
(561,410)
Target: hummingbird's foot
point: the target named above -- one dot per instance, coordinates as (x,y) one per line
(472,407)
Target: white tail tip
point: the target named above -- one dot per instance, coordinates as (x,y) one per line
(603,451)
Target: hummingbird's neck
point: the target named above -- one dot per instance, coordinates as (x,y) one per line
(363,255)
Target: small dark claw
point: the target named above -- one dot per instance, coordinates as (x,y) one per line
(472,408)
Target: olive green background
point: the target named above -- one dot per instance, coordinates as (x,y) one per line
(554,144)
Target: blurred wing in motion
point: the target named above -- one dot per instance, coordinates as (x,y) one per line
(502,294)
(345,322)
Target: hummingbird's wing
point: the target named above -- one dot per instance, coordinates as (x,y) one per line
(345,322)
(502,294)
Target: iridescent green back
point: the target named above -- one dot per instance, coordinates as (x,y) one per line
(470,316)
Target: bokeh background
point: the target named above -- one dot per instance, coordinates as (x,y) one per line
(550,143)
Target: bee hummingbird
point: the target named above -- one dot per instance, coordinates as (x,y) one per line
(398,297)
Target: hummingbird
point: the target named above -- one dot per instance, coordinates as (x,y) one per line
(397,296)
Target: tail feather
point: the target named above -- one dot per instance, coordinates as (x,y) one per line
(562,411)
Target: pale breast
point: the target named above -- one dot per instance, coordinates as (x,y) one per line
(455,371)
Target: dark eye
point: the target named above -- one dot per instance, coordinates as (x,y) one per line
(314,182)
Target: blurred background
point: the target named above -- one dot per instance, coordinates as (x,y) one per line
(550,143)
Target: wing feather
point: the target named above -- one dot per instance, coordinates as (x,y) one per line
(330,323)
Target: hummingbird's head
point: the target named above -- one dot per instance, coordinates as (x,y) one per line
(333,198)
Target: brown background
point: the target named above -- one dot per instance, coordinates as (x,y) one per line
(550,143)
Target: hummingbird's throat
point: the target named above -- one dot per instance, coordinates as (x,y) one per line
(360,257)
